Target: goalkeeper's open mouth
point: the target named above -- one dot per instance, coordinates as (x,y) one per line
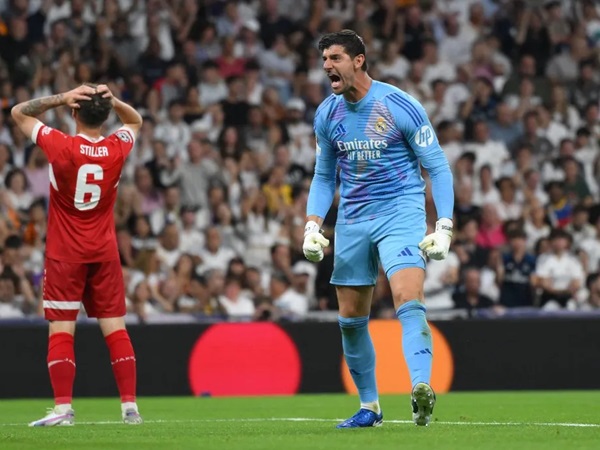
(335,80)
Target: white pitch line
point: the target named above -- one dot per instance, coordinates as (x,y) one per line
(312,419)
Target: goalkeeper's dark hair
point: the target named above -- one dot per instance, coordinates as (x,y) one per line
(93,113)
(353,44)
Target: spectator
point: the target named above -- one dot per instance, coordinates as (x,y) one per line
(174,130)
(468,296)
(487,193)
(141,232)
(505,127)
(469,252)
(515,273)
(168,250)
(564,67)
(199,300)
(560,273)
(212,87)
(440,280)
(214,255)
(593,285)
(169,213)
(229,64)
(290,295)
(487,151)
(508,208)
(464,206)
(235,106)
(536,225)
(560,209)
(580,229)
(234,302)
(8,289)
(575,185)
(491,233)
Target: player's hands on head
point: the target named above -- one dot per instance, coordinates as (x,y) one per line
(106,92)
(81,93)
(314,242)
(437,244)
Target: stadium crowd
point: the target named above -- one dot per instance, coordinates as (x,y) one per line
(211,206)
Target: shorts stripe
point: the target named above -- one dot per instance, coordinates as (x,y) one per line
(54,304)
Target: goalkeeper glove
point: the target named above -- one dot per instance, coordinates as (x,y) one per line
(437,244)
(314,242)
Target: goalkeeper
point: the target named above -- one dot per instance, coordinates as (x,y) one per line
(376,135)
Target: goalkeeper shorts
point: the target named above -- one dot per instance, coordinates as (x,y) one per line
(392,240)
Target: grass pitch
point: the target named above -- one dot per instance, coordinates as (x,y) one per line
(524,420)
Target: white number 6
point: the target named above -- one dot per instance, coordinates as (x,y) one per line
(83,187)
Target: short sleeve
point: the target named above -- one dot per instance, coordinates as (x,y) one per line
(50,140)
(126,139)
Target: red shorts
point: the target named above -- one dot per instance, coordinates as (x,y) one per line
(99,286)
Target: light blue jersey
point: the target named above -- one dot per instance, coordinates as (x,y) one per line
(377,143)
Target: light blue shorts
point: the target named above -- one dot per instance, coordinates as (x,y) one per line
(392,239)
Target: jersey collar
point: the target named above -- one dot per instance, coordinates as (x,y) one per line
(91,139)
(357,106)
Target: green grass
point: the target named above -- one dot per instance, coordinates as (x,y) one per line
(480,421)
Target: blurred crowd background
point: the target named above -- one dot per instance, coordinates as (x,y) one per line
(211,204)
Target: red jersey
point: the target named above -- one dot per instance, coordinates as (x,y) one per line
(84,175)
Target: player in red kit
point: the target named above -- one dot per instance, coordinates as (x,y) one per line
(82,261)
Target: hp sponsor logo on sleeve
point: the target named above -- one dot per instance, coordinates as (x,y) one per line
(424,136)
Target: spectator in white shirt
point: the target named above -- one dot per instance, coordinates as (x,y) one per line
(8,290)
(212,87)
(439,107)
(508,207)
(580,228)
(435,67)
(458,37)
(487,152)
(214,255)
(169,213)
(560,273)
(440,279)
(536,225)
(392,62)
(234,301)
(168,250)
(287,296)
(487,191)
(175,131)
(590,247)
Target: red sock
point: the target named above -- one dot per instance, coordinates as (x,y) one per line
(61,366)
(122,359)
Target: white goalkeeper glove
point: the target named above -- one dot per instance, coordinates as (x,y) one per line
(314,242)
(437,244)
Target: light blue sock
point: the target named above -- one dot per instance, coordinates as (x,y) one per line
(416,341)
(360,356)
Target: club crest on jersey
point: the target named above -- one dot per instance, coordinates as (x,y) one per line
(380,125)
(124,136)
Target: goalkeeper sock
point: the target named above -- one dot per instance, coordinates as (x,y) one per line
(360,357)
(61,366)
(416,341)
(122,359)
